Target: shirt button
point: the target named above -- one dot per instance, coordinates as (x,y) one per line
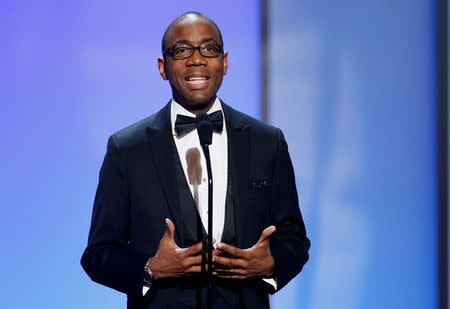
(204,179)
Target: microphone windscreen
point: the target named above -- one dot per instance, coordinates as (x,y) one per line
(204,128)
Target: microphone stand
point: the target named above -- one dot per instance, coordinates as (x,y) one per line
(210,222)
(205,131)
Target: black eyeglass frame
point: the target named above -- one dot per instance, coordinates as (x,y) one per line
(170,50)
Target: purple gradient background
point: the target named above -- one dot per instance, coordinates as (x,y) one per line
(72,74)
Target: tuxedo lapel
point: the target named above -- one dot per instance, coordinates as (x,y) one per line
(238,164)
(170,171)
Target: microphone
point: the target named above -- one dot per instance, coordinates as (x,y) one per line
(204,129)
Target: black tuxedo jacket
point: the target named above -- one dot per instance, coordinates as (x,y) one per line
(142,182)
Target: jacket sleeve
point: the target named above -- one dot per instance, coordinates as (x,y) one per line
(108,258)
(289,245)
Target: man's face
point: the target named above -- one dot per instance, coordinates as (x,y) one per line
(194,80)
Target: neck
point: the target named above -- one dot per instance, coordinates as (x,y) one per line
(203,110)
(196,108)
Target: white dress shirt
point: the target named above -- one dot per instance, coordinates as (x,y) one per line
(188,145)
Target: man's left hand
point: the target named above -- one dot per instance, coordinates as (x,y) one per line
(248,263)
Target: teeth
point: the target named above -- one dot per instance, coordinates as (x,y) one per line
(196,78)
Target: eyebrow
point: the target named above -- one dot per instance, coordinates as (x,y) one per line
(187,42)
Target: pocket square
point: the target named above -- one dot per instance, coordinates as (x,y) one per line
(259,184)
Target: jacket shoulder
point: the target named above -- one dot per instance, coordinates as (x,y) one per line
(261,132)
(257,126)
(133,135)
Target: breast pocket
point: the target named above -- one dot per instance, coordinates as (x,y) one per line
(259,184)
(260,198)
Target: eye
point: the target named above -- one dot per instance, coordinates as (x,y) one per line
(211,48)
(181,50)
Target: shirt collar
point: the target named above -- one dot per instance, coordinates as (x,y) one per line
(177,109)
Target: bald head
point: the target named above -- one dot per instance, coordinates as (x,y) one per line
(186,18)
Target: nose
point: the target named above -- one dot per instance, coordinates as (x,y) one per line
(196,59)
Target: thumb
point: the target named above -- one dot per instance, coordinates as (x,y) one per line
(170,230)
(266,233)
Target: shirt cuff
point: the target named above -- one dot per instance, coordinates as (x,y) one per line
(272,282)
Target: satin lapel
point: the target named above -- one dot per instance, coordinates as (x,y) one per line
(170,172)
(239,164)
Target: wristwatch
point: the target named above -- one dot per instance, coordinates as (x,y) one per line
(148,277)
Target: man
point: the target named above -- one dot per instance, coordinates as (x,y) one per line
(150,209)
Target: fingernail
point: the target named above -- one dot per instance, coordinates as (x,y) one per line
(219,245)
(214,273)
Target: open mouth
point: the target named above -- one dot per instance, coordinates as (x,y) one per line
(197,82)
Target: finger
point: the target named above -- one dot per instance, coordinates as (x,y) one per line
(205,242)
(194,269)
(232,250)
(266,233)
(224,263)
(217,252)
(192,250)
(193,261)
(231,272)
(239,277)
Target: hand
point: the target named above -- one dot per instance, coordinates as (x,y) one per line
(251,262)
(173,261)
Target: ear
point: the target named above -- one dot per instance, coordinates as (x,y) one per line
(225,62)
(161,67)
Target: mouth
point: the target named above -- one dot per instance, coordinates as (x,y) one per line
(197,82)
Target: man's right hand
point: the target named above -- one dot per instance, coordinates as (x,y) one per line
(173,261)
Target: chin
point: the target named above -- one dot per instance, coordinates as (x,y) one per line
(197,104)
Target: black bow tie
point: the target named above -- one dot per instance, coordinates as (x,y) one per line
(185,124)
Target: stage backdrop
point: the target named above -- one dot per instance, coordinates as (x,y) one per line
(72,73)
(352,84)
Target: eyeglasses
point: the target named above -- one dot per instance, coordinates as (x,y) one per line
(184,51)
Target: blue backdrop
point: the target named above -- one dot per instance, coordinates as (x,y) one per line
(351,84)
